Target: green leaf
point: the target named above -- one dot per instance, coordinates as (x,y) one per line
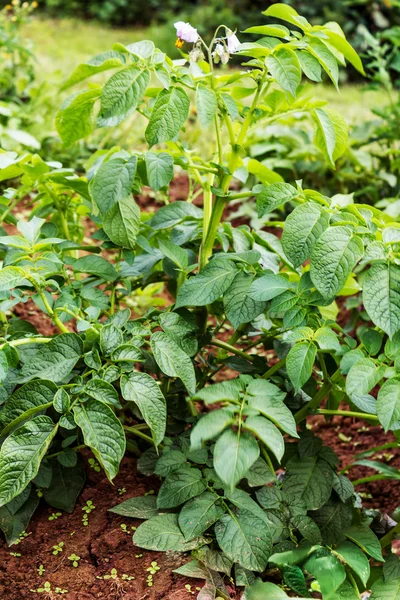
(98,64)
(286,13)
(388,404)
(268,286)
(220,392)
(294,578)
(268,434)
(309,65)
(300,362)
(193,568)
(274,195)
(234,453)
(61,401)
(112,182)
(199,514)
(10,277)
(95,265)
(386,590)
(333,258)
(292,557)
(267,398)
(121,95)
(147,395)
(340,43)
(169,114)
(302,229)
(162,533)
(76,120)
(364,537)
(332,519)
(245,539)
(309,479)
(140,507)
(328,571)
(172,214)
(66,485)
(381,296)
(284,67)
(21,454)
(174,253)
(261,590)
(160,169)
(361,378)
(355,558)
(207,286)
(172,360)
(169,462)
(209,426)
(103,391)
(103,433)
(14,522)
(180,486)
(327,339)
(240,307)
(331,134)
(122,223)
(206,104)
(54,360)
(325,58)
(111,337)
(29,396)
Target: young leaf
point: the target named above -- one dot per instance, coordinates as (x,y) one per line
(309,65)
(147,395)
(284,67)
(95,265)
(299,363)
(162,533)
(169,114)
(388,404)
(122,223)
(180,486)
(21,454)
(103,391)
(361,378)
(364,537)
(272,196)
(333,258)
(111,337)
(103,433)
(98,64)
(340,43)
(209,426)
(28,396)
(172,214)
(268,286)
(160,169)
(287,13)
(240,307)
(234,454)
(302,229)
(331,135)
(206,104)
(113,181)
(139,507)
(328,571)
(267,398)
(355,558)
(381,296)
(325,58)
(10,277)
(267,433)
(207,286)
(172,360)
(61,401)
(121,95)
(198,514)
(54,360)
(245,539)
(75,120)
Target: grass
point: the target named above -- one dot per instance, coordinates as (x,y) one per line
(62,44)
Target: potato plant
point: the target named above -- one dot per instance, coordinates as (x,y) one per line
(245,485)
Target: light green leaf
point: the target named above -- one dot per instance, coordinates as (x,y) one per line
(364,537)
(355,558)
(112,182)
(198,514)
(267,398)
(103,433)
(61,400)
(381,296)
(284,67)
(240,307)
(299,363)
(122,223)
(162,533)
(220,392)
(302,229)
(111,337)
(206,104)
(309,479)
(325,58)
(273,196)
(245,539)
(261,590)
(174,253)
(95,265)
(209,426)
(98,64)
(54,360)
(333,258)
(172,360)
(21,454)
(267,433)
(292,557)
(172,214)
(160,169)
(234,453)
(121,95)
(309,65)
(75,120)
(328,571)
(331,134)
(169,114)
(340,43)
(386,590)
(10,277)
(147,395)
(361,378)
(140,507)
(388,404)
(103,391)
(207,286)
(327,339)
(287,13)
(29,396)
(268,286)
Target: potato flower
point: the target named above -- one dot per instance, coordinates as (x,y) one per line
(185,33)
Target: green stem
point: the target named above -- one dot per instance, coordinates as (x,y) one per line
(139,433)
(377,477)
(319,396)
(388,537)
(274,369)
(229,348)
(348,413)
(75,449)
(268,461)
(64,222)
(24,341)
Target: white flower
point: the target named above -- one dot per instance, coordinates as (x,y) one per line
(220,54)
(186,32)
(233,41)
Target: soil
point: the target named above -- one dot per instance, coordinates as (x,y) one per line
(103,544)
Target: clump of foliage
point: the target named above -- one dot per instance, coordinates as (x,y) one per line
(246,486)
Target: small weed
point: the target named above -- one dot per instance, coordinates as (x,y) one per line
(58,548)
(190,590)
(149,493)
(138,555)
(74,558)
(40,570)
(121,491)
(114,575)
(88,508)
(126,529)
(93,464)
(15,554)
(153,568)
(54,516)
(46,589)
(149,581)
(21,538)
